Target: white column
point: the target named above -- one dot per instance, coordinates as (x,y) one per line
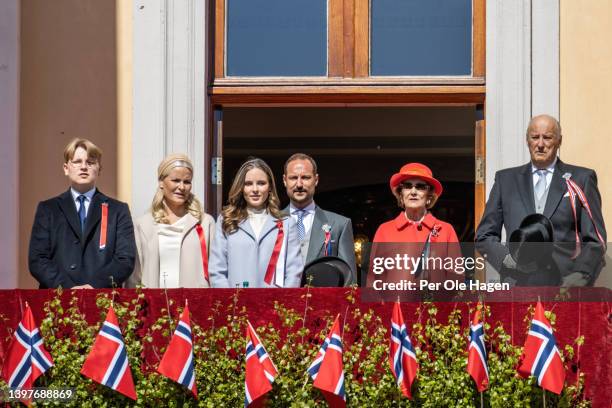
(545,57)
(9,139)
(508,104)
(522,75)
(522,78)
(169,91)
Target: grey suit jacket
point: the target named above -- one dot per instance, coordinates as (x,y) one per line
(343,245)
(511,200)
(239,257)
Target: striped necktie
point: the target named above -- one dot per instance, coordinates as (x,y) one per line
(300,224)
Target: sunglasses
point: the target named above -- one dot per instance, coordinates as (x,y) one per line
(418,186)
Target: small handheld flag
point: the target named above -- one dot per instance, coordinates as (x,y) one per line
(177,361)
(327,370)
(260,370)
(402,356)
(541,356)
(27,358)
(107,362)
(477,354)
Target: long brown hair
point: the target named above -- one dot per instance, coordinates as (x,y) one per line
(236,209)
(192,204)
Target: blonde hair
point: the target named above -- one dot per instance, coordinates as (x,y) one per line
(236,209)
(192,204)
(93,151)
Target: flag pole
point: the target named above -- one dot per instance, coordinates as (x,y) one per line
(167,301)
(481,399)
(305,312)
(544,397)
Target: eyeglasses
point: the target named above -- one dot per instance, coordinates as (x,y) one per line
(418,186)
(79,163)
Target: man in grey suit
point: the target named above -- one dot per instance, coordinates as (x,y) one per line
(545,186)
(316,226)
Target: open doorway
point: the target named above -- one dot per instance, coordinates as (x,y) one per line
(357,149)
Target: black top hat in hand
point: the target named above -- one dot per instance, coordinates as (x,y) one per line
(329,271)
(531,247)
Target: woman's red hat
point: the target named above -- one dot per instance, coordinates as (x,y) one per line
(415,170)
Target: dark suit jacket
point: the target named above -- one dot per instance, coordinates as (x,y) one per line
(511,200)
(343,245)
(60,255)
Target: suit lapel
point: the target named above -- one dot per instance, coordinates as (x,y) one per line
(68,207)
(556,190)
(525,183)
(317,236)
(93,213)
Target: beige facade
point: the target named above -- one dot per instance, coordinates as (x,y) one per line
(76,80)
(586,93)
(586,90)
(68,89)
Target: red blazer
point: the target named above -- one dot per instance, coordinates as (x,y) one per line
(444,244)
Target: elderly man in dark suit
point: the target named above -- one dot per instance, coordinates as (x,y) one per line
(82,239)
(547,186)
(321,233)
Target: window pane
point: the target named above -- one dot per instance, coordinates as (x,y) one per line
(276,37)
(421,37)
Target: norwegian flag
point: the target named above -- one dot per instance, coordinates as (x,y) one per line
(177,361)
(260,370)
(107,362)
(477,354)
(541,356)
(27,358)
(402,357)
(326,370)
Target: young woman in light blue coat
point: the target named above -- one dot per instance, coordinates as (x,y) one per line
(255,245)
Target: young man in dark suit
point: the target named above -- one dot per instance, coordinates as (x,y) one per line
(313,223)
(541,186)
(82,239)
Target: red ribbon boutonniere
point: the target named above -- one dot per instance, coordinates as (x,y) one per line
(103,226)
(327,244)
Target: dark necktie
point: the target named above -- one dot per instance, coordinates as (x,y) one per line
(82,212)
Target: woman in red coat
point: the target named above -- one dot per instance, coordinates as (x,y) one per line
(416,232)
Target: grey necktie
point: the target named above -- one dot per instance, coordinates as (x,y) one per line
(540,186)
(300,224)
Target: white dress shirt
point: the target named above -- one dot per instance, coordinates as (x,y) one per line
(308,216)
(88,196)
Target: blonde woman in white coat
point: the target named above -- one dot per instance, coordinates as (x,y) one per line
(175,236)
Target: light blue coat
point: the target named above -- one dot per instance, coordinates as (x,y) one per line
(238,257)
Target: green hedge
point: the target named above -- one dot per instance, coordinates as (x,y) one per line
(441,349)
